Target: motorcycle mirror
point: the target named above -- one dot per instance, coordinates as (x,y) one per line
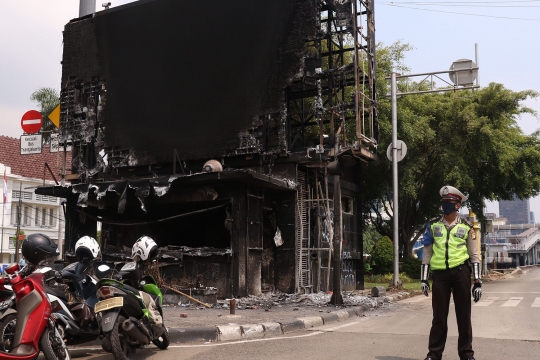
(103,268)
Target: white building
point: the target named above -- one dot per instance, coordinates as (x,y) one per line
(38,213)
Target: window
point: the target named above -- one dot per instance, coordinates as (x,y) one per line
(347,205)
(44,217)
(27,216)
(51,217)
(14,213)
(36,217)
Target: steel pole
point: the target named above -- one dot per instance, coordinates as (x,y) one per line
(87,7)
(337,298)
(395,213)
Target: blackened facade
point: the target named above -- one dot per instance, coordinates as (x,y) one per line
(221,133)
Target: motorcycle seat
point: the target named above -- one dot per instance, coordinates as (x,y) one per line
(56,292)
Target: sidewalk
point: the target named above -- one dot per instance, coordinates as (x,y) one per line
(256,318)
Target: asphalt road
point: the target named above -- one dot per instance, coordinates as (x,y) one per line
(506,325)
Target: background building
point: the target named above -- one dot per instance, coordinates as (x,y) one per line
(516,211)
(38,213)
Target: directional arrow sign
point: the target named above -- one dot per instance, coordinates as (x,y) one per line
(54,116)
(31,121)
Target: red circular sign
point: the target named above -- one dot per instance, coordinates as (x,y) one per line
(31,121)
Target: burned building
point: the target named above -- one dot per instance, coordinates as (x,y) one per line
(231,133)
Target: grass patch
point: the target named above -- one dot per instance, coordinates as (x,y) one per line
(384,280)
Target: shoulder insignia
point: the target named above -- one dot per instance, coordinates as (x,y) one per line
(467,222)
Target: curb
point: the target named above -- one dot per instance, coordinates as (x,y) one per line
(259,331)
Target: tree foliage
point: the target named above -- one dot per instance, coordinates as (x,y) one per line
(383,256)
(468,140)
(47,99)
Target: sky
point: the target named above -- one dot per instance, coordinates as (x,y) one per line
(506,33)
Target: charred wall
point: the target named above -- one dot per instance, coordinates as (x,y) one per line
(193,77)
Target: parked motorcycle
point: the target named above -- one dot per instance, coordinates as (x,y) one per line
(36,329)
(73,309)
(77,313)
(130,308)
(8,317)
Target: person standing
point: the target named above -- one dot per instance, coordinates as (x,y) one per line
(451,253)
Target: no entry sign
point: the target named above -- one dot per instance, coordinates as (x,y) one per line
(31,121)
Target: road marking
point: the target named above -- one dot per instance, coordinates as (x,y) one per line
(343,325)
(510,292)
(536,302)
(313,333)
(487,301)
(232,342)
(513,302)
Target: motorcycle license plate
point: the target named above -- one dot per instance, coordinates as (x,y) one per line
(109,304)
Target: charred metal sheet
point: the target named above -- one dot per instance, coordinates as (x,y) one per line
(139,82)
(178,252)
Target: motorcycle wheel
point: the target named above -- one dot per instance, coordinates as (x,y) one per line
(7,332)
(106,344)
(53,346)
(120,348)
(163,341)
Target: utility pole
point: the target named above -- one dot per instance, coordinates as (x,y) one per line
(337,298)
(87,7)
(462,73)
(18,225)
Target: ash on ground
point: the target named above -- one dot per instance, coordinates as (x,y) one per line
(279,299)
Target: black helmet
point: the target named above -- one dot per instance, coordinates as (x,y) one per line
(37,247)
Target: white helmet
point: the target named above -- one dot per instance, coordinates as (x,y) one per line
(145,248)
(87,247)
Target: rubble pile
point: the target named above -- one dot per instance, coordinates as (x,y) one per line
(279,299)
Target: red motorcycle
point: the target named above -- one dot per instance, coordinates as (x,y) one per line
(36,329)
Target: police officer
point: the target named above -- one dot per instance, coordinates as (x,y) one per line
(451,252)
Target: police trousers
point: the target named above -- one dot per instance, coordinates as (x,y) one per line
(456,281)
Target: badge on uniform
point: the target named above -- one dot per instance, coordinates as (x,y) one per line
(461,233)
(437,231)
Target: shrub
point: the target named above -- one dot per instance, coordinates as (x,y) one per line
(386,278)
(383,256)
(412,267)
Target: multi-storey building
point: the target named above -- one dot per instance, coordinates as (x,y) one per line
(23,208)
(516,211)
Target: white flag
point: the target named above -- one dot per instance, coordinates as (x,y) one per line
(5,189)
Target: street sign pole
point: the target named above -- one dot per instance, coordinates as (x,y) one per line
(395,213)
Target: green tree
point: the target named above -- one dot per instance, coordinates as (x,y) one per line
(370,237)
(47,99)
(383,256)
(468,140)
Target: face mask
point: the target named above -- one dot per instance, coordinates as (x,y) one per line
(448,208)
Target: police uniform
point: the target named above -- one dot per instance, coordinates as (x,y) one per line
(451,253)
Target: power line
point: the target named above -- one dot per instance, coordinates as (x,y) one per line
(467,14)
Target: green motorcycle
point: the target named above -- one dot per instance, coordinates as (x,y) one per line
(130,312)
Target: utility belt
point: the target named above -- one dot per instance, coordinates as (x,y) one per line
(467,263)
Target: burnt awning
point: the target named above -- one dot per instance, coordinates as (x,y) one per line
(159,186)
